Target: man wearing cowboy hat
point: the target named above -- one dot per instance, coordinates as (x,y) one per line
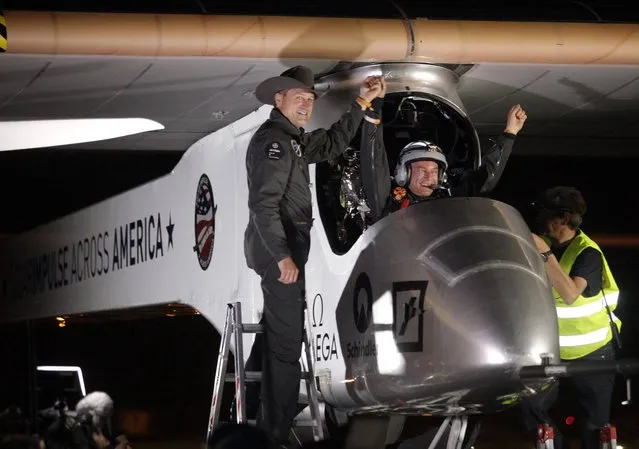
(277,238)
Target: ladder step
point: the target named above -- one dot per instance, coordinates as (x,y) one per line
(249,376)
(296,423)
(304,423)
(252,328)
(256,376)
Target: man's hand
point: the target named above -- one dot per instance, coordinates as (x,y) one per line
(371,88)
(382,82)
(288,271)
(515,119)
(541,244)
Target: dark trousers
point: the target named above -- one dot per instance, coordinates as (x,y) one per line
(277,351)
(593,395)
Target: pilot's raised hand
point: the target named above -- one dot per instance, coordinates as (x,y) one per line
(288,271)
(515,119)
(371,88)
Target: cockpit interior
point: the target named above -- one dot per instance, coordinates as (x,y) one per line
(406,117)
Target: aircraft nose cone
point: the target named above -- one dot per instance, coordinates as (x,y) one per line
(447,299)
(488,301)
(454,284)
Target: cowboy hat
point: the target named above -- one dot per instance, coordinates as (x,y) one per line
(298,77)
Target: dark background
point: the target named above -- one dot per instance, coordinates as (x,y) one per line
(164,366)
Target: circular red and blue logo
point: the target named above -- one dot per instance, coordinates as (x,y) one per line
(205,209)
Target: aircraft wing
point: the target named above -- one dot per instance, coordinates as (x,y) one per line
(25,134)
(150,246)
(578,82)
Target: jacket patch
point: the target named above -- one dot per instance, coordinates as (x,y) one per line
(273,151)
(399,193)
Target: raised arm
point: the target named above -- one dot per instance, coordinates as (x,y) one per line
(494,160)
(375,170)
(324,144)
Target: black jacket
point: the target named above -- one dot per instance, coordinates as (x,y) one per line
(280,210)
(376,176)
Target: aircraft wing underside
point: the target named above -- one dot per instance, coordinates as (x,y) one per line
(572,109)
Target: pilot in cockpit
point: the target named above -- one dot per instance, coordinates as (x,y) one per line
(420,173)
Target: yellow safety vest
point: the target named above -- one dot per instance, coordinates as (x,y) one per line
(584,325)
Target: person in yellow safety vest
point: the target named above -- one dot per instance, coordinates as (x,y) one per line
(582,285)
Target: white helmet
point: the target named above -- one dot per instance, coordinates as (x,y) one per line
(420,150)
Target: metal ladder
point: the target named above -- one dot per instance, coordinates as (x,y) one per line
(233,324)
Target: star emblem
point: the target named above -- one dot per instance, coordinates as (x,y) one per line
(169,230)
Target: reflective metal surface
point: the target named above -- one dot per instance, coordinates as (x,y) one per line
(431,81)
(351,194)
(434,80)
(352,197)
(446,301)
